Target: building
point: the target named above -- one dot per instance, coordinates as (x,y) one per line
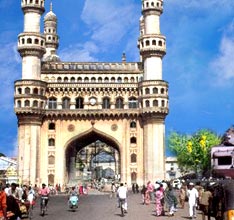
(172,168)
(8,170)
(71,113)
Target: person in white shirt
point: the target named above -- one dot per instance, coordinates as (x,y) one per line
(15,191)
(7,189)
(31,195)
(192,194)
(122,194)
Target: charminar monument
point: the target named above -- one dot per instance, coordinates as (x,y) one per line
(80,121)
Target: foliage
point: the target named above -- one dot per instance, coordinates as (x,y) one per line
(193,151)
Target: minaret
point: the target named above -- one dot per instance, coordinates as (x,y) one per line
(30,92)
(31,43)
(153,95)
(52,39)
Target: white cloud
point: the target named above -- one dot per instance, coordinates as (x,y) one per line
(9,72)
(223,65)
(79,52)
(14,151)
(105,30)
(108,26)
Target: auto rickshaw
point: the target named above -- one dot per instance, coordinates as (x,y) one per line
(229,201)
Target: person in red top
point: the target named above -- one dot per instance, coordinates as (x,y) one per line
(3,204)
(44,192)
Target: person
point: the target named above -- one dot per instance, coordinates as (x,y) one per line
(113,190)
(122,195)
(170,200)
(31,196)
(182,195)
(159,194)
(24,193)
(7,187)
(73,191)
(81,191)
(13,208)
(200,190)
(192,194)
(143,194)
(15,191)
(44,192)
(137,188)
(133,188)
(73,197)
(205,202)
(3,203)
(147,197)
(150,189)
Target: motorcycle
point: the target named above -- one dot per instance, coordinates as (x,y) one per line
(73,202)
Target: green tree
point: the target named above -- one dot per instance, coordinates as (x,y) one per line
(193,151)
(2,155)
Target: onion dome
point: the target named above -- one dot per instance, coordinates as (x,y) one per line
(50,16)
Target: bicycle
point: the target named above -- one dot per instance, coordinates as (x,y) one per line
(31,202)
(30,211)
(43,205)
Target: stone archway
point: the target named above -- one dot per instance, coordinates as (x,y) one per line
(92,155)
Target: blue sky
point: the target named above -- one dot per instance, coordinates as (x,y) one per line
(199,64)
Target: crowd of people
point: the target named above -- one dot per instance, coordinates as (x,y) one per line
(208,198)
(167,199)
(16,200)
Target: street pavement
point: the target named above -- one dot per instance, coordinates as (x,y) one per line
(99,206)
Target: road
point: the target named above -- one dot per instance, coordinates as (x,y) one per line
(102,207)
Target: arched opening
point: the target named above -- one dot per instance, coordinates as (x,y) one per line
(79,103)
(51,179)
(51,142)
(106,103)
(133,124)
(119,103)
(133,177)
(92,156)
(52,126)
(133,140)
(66,103)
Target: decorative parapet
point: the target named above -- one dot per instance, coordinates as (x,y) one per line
(31,43)
(86,86)
(102,67)
(33,6)
(146,83)
(92,113)
(30,82)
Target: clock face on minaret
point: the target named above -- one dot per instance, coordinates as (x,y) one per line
(92,101)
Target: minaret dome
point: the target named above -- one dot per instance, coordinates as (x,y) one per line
(52,39)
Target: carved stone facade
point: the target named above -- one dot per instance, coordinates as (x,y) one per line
(65,106)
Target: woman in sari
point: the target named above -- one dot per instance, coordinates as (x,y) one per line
(147,197)
(159,195)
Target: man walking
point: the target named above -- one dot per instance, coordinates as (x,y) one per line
(192,194)
(122,195)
